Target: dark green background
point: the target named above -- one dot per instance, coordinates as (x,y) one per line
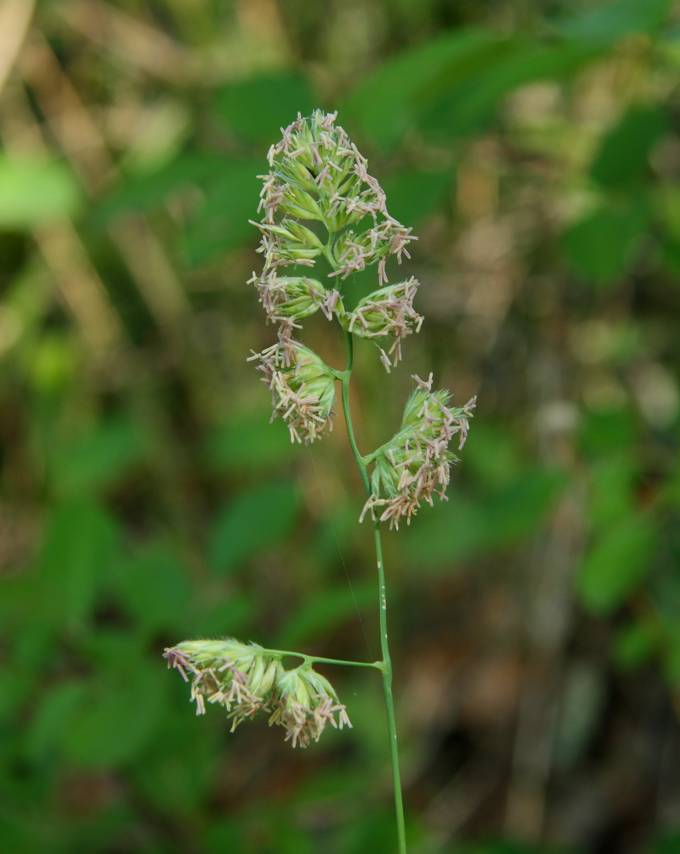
(146,499)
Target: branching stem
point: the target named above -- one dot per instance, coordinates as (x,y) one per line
(382,602)
(320,659)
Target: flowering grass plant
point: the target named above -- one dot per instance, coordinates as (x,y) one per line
(324,215)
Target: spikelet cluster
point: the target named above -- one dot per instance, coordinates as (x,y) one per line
(302,387)
(415,465)
(245,679)
(325,217)
(387,313)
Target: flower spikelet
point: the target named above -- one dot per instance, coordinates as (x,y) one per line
(415,465)
(232,674)
(305,703)
(290,297)
(302,387)
(245,679)
(387,313)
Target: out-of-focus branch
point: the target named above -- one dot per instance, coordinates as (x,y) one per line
(15,19)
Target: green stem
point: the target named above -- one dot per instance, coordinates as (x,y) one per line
(378,665)
(382,604)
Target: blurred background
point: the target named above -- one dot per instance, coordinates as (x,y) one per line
(535,617)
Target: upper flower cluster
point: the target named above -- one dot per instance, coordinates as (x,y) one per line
(245,679)
(317,174)
(319,204)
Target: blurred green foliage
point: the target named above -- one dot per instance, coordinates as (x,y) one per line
(145,497)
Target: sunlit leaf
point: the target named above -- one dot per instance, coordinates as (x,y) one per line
(34,192)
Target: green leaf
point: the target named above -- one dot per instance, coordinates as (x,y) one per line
(634,644)
(34,192)
(603,245)
(492,455)
(668,842)
(386,103)
(229,614)
(611,491)
(154,588)
(454,85)
(609,22)
(143,191)
(463,528)
(221,223)
(54,714)
(671,663)
(460,102)
(415,195)
(179,779)
(324,611)
(78,549)
(623,156)
(122,705)
(257,108)
(617,564)
(252,523)
(100,457)
(607,432)
(249,442)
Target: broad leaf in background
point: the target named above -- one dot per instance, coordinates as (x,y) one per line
(611,489)
(257,108)
(220,223)
(617,563)
(34,192)
(611,21)
(325,611)
(52,717)
(602,246)
(622,160)
(464,528)
(146,190)
(454,85)
(249,442)
(154,588)
(635,643)
(666,207)
(79,549)
(120,710)
(386,103)
(252,523)
(462,100)
(608,431)
(98,458)
(417,194)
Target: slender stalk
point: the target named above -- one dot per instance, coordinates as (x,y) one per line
(280,653)
(382,605)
